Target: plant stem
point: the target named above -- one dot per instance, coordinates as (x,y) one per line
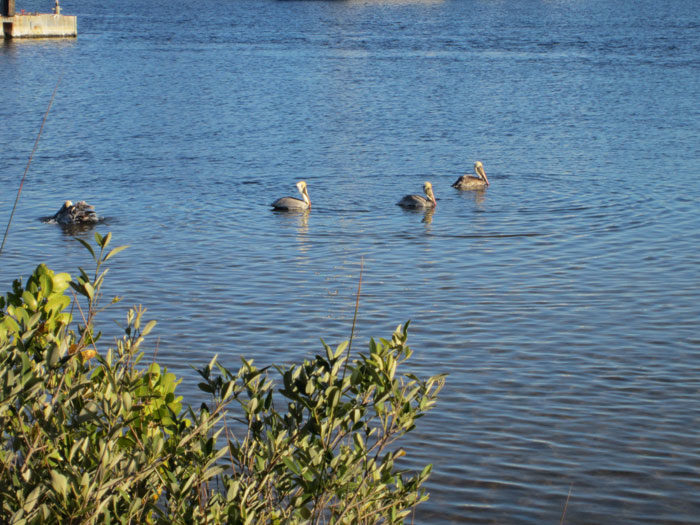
(31,156)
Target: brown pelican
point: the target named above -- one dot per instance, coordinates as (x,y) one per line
(467,182)
(290,203)
(418,201)
(78,213)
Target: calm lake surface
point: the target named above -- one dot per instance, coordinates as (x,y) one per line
(564,301)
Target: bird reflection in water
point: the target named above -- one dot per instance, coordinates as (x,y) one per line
(478,196)
(75,229)
(298,219)
(303,230)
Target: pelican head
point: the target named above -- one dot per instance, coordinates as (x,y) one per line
(67,204)
(479,169)
(301,186)
(428,190)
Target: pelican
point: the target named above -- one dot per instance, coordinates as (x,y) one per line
(78,213)
(418,201)
(467,182)
(292,204)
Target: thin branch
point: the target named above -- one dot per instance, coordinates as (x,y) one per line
(563,514)
(31,156)
(82,314)
(354,317)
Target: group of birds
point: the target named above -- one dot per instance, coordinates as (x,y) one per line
(465,182)
(82,213)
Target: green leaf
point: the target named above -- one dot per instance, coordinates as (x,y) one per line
(105,240)
(114,251)
(46,283)
(291,465)
(56,304)
(89,290)
(147,329)
(29,300)
(59,482)
(252,405)
(54,355)
(154,370)
(10,324)
(60,281)
(341,348)
(307,474)
(87,245)
(359,442)
(32,499)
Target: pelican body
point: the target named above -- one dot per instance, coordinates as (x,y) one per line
(79,213)
(418,201)
(293,204)
(468,182)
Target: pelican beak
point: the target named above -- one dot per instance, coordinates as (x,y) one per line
(301,186)
(482,173)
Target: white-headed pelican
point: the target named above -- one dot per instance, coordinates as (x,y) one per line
(291,203)
(418,201)
(468,182)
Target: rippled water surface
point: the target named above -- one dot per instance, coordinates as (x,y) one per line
(563,301)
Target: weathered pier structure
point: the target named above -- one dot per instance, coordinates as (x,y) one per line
(35,25)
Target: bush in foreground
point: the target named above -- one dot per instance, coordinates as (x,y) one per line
(93,436)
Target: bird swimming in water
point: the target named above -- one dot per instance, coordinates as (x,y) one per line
(293,204)
(79,213)
(468,182)
(418,201)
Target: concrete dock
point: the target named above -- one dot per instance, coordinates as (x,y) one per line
(35,25)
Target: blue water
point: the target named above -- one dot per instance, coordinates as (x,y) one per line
(564,301)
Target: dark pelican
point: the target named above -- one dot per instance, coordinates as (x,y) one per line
(292,204)
(78,213)
(418,201)
(467,182)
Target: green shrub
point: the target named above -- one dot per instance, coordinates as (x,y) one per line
(93,436)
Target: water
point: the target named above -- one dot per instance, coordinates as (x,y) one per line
(564,300)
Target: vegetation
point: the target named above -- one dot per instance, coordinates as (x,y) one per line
(98,436)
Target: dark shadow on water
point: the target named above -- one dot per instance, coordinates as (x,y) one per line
(12,45)
(76,229)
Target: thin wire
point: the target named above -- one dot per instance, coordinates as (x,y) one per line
(31,156)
